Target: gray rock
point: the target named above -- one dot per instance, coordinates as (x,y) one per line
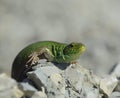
(81,81)
(28,89)
(72,82)
(50,80)
(115,95)
(93,93)
(8,88)
(118,87)
(116,72)
(39,94)
(108,84)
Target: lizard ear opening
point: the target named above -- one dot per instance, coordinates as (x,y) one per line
(71,45)
(68,48)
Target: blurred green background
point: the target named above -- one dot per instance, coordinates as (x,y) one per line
(96,23)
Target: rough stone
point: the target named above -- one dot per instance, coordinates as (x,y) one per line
(115,95)
(8,87)
(39,94)
(108,84)
(51,80)
(116,72)
(72,82)
(28,89)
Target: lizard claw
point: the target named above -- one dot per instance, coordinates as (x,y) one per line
(73,62)
(33,59)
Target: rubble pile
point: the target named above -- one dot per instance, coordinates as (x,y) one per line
(49,80)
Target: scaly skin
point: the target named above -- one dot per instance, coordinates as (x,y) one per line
(50,50)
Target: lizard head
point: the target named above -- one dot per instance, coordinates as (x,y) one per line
(74,50)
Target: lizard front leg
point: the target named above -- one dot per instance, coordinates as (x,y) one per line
(42,53)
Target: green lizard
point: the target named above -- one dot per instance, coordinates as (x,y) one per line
(50,50)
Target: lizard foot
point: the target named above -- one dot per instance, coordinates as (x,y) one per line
(33,59)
